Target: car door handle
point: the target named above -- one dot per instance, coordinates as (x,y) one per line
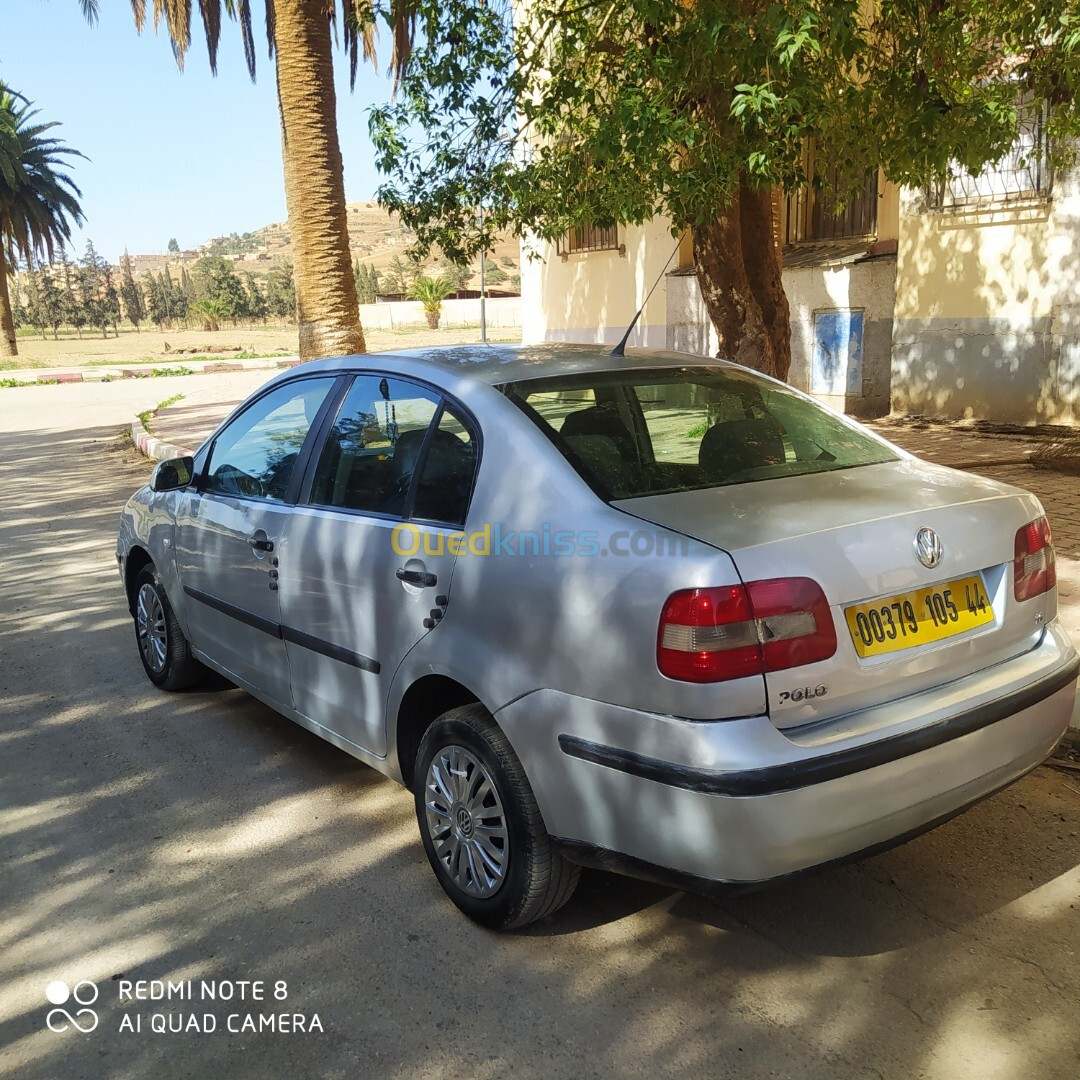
(417,577)
(260,542)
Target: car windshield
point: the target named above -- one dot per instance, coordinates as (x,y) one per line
(652,431)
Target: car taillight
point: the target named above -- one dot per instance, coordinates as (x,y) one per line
(729,632)
(1034,571)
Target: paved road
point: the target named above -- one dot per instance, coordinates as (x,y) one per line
(198,836)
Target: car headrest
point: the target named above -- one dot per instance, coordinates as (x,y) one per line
(736,445)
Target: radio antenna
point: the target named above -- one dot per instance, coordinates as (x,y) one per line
(620,349)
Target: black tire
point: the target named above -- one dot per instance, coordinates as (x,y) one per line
(537,880)
(171,666)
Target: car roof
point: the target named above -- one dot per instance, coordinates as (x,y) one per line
(499,364)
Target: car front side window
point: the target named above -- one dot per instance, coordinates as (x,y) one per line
(371,452)
(256,454)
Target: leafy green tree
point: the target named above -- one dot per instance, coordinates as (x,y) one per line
(130,293)
(396,278)
(281,293)
(215,279)
(175,298)
(18,312)
(110,297)
(36,314)
(38,200)
(515,282)
(156,307)
(367,283)
(92,289)
(457,272)
(493,274)
(187,286)
(174,247)
(51,299)
(74,311)
(431,292)
(256,302)
(600,114)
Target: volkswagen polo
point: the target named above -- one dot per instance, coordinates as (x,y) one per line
(657,614)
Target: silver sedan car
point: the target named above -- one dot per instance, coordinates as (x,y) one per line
(657,614)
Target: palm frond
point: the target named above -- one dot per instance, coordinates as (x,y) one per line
(39,202)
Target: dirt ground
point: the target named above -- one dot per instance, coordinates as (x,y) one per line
(149,345)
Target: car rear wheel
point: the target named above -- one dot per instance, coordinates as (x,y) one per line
(164,651)
(482,829)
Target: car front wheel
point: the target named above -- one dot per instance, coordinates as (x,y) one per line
(482,829)
(165,653)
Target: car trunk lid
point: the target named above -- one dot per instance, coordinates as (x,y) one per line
(853,531)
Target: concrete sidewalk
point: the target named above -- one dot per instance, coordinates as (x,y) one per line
(109,372)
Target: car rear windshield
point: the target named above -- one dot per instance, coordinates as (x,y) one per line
(651,431)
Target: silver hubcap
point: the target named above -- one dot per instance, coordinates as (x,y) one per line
(150,627)
(465,822)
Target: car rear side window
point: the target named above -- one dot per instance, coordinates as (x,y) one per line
(445,481)
(255,455)
(371,452)
(651,431)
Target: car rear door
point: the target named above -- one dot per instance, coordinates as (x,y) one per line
(365,571)
(229,532)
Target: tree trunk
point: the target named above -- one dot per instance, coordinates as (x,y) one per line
(739,269)
(8,345)
(326,304)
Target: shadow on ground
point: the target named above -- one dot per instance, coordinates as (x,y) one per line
(200,836)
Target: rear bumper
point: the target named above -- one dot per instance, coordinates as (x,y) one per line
(738,802)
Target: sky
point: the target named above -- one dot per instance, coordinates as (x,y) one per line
(186,154)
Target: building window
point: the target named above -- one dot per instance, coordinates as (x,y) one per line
(584,238)
(1022,175)
(814,214)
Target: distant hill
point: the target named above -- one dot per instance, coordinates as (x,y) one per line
(374,237)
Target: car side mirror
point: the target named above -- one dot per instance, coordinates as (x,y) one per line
(171,474)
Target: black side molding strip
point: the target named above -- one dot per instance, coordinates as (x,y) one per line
(791,776)
(287,633)
(249,618)
(328,648)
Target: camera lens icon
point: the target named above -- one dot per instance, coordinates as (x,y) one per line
(84,993)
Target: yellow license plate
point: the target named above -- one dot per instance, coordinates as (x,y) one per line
(915,618)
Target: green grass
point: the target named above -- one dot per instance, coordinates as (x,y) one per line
(697,431)
(147,414)
(30,382)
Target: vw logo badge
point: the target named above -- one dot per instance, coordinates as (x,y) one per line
(928,547)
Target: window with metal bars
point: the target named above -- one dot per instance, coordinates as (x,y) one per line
(1023,174)
(815,214)
(584,238)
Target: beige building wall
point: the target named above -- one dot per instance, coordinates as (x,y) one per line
(988,309)
(592,296)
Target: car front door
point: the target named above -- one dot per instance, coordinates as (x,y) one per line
(229,533)
(366,568)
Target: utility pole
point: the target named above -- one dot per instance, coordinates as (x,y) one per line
(483,289)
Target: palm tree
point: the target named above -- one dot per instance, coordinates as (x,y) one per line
(38,201)
(299,34)
(431,292)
